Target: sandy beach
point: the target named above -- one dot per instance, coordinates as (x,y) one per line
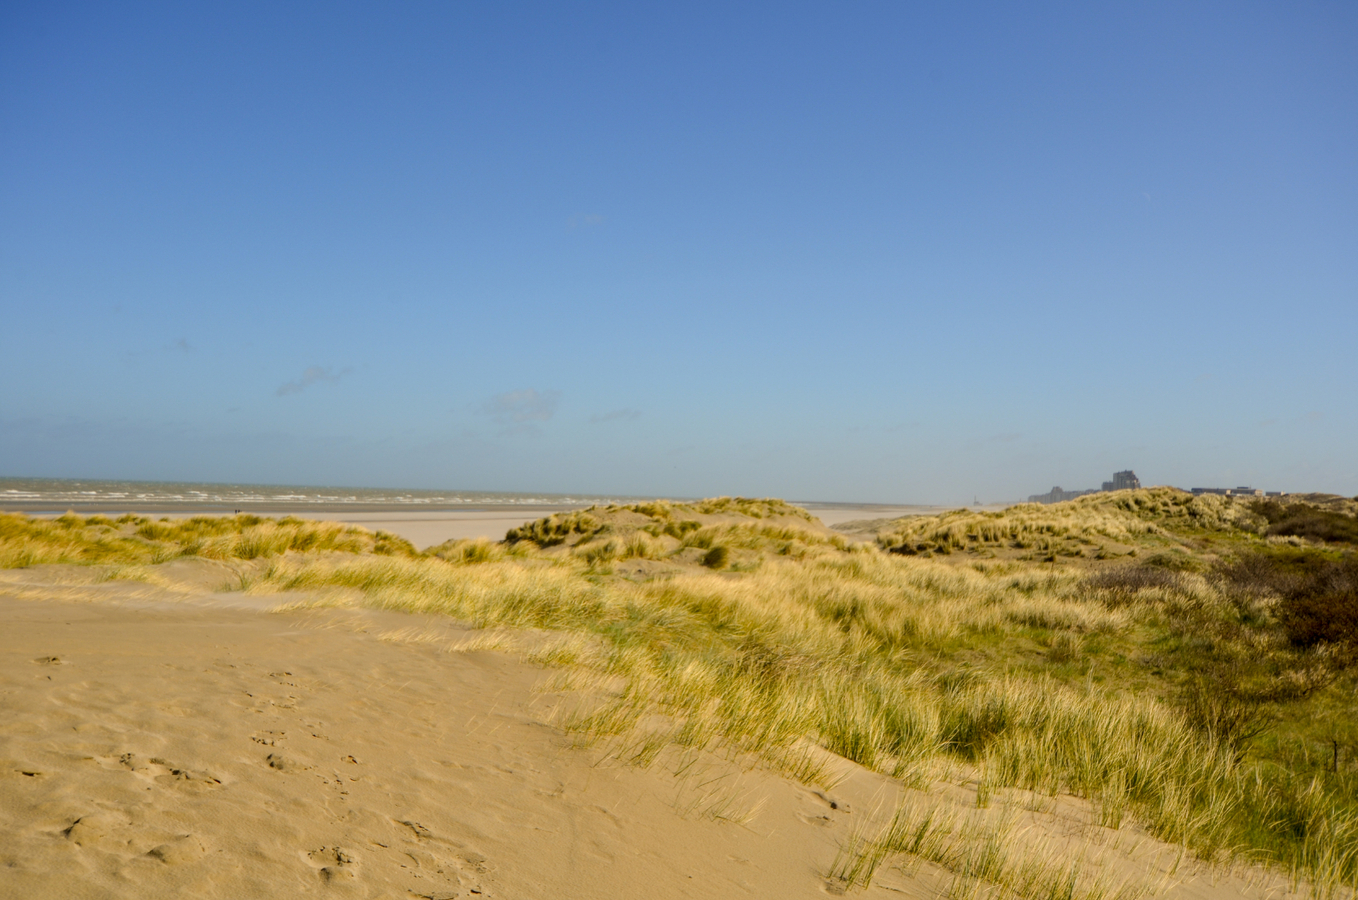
(423,525)
(158,747)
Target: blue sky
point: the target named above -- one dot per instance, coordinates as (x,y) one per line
(883,252)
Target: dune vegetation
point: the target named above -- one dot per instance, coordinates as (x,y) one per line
(137,540)
(1182,663)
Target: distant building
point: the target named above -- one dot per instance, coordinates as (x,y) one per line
(1056,495)
(1236,492)
(1122,481)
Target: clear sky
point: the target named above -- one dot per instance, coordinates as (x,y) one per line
(904,252)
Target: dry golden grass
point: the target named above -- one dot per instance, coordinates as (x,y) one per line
(1083,525)
(823,648)
(984,853)
(28,541)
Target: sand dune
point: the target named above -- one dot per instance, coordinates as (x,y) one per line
(169,741)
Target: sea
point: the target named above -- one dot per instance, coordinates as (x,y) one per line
(59,494)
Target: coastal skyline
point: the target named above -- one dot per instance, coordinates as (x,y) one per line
(875,254)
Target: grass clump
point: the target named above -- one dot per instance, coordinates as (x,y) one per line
(555,529)
(137,540)
(716,557)
(983,855)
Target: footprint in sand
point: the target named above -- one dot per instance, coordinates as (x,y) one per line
(98,830)
(333,863)
(832,802)
(421,832)
(281,763)
(454,873)
(469,868)
(182,777)
(157,769)
(186,849)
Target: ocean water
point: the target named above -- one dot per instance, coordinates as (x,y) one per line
(60,494)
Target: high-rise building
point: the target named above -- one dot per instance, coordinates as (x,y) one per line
(1123,481)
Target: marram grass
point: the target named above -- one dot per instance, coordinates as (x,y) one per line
(819,649)
(132,540)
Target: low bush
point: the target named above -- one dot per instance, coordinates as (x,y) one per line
(1316,591)
(1306,521)
(1131,579)
(1322,618)
(1276,570)
(1216,701)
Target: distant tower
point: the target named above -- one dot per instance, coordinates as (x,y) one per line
(1123,481)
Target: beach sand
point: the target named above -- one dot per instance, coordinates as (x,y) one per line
(160,748)
(427,528)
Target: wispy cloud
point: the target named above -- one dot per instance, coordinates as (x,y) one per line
(519,407)
(312,375)
(181,345)
(617,415)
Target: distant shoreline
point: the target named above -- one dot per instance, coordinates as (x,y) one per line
(425,518)
(53,496)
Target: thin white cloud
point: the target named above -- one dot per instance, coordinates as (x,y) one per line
(518,407)
(312,375)
(617,415)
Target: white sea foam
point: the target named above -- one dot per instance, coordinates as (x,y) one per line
(57,493)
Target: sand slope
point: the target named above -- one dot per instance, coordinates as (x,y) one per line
(181,751)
